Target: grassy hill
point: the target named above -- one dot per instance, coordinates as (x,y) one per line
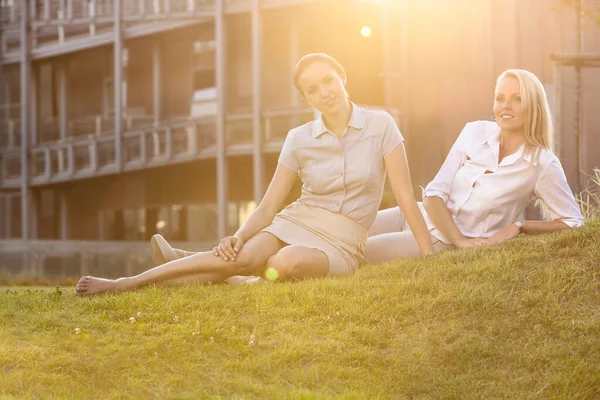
(518,320)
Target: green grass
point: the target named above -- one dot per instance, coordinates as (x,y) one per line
(589,199)
(516,321)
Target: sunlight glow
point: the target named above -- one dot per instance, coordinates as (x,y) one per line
(366,31)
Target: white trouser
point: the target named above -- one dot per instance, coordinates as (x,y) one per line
(391,238)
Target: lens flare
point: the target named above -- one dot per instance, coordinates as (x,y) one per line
(271,274)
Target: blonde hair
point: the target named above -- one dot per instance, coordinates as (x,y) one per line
(539,130)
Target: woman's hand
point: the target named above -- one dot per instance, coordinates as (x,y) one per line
(471,242)
(508,232)
(228,248)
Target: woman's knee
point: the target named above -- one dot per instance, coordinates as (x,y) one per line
(299,262)
(253,256)
(287,262)
(248,261)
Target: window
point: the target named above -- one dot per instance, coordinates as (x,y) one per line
(134,224)
(204,78)
(238,213)
(201,223)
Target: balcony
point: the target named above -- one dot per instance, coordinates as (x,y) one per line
(57,13)
(10,134)
(90,150)
(63,26)
(94,155)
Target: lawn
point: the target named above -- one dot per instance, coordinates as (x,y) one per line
(518,320)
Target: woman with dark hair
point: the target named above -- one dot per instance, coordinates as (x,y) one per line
(342,159)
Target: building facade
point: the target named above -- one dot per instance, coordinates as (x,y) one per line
(123,118)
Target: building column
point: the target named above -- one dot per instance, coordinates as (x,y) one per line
(404,67)
(33,206)
(156,81)
(64,216)
(63,101)
(557,76)
(257,134)
(516,33)
(118,86)
(578,128)
(25,101)
(8,220)
(63,114)
(101,228)
(387,64)
(3,97)
(222,168)
(34,106)
(294,58)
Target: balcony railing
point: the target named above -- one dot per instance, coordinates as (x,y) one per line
(60,12)
(10,134)
(74,12)
(150,146)
(95,155)
(98,125)
(59,26)
(55,22)
(276,123)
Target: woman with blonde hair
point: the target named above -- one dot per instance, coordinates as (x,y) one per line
(342,159)
(494,170)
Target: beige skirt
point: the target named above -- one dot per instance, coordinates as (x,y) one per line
(340,238)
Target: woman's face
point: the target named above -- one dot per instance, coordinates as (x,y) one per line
(323,87)
(508,107)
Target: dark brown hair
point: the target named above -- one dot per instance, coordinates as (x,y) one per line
(311,58)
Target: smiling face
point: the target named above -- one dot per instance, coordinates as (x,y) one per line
(509,110)
(324,88)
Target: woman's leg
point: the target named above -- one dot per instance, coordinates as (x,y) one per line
(387,221)
(162,253)
(299,262)
(390,246)
(203,266)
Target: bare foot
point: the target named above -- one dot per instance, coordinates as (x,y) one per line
(88,285)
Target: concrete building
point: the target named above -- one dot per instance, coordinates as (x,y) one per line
(123,118)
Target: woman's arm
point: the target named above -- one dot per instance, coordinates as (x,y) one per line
(262,216)
(279,188)
(437,193)
(398,173)
(552,188)
(530,227)
(442,219)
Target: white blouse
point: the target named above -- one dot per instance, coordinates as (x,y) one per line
(484,196)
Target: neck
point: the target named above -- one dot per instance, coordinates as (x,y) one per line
(510,141)
(338,122)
